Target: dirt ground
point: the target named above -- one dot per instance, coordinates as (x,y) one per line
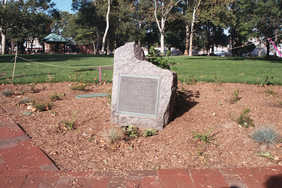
(200,108)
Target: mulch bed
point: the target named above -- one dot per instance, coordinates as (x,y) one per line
(200,107)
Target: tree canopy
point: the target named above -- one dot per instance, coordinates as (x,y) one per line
(186,24)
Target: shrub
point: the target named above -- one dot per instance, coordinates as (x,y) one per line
(32,87)
(54,97)
(25,100)
(155,58)
(267,135)
(78,86)
(216,80)
(113,134)
(7,92)
(244,119)
(21,92)
(41,105)
(235,96)
(206,137)
(150,132)
(130,130)
(27,113)
(279,104)
(69,123)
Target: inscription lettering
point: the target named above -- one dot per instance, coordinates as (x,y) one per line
(138,94)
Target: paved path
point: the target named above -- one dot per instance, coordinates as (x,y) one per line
(22,164)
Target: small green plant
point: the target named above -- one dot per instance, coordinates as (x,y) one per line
(69,123)
(155,58)
(206,137)
(269,92)
(244,119)
(149,132)
(235,96)
(53,113)
(201,151)
(113,134)
(216,80)
(27,113)
(54,97)
(7,92)
(91,138)
(25,100)
(267,80)
(41,105)
(279,104)
(267,135)
(21,92)
(32,86)
(78,86)
(130,130)
(266,155)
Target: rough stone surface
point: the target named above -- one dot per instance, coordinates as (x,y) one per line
(130,59)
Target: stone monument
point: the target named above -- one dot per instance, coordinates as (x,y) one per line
(143,94)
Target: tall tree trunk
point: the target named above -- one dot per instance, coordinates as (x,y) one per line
(164,14)
(192,27)
(276,40)
(98,40)
(213,38)
(107,27)
(259,54)
(108,46)
(93,44)
(192,32)
(3,42)
(162,35)
(188,32)
(267,48)
(31,45)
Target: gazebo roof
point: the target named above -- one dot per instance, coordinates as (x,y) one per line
(54,37)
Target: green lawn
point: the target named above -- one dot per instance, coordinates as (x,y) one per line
(56,68)
(228,69)
(59,68)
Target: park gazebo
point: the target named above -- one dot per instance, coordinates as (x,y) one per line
(54,43)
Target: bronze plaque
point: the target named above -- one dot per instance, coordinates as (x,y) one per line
(138,95)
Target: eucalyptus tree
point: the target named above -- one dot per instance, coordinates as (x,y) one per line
(162,9)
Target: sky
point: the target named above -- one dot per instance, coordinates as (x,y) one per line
(64,5)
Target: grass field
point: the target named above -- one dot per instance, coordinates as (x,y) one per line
(84,68)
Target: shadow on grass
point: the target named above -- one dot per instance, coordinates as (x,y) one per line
(94,69)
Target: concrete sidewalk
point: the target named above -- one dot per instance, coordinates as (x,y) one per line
(22,164)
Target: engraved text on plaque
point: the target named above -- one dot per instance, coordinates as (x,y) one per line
(138,95)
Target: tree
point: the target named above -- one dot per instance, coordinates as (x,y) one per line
(107,27)
(13,14)
(216,16)
(195,9)
(163,7)
(10,17)
(66,26)
(240,29)
(267,19)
